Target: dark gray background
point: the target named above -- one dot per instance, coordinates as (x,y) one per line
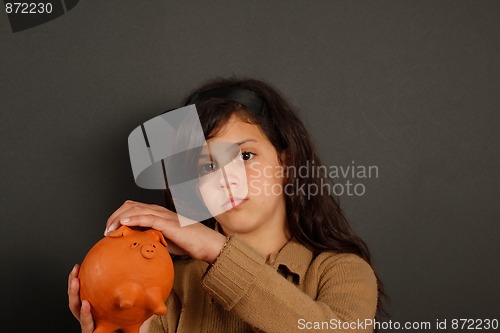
(409,86)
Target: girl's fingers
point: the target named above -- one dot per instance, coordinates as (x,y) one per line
(125,206)
(132,208)
(195,239)
(86,321)
(118,211)
(150,221)
(73,274)
(74,297)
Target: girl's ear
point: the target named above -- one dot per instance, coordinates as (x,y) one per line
(282,158)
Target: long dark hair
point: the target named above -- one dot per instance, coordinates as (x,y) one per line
(316,221)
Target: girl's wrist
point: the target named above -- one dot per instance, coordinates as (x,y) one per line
(218,247)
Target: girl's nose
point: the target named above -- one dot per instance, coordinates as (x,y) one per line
(231,174)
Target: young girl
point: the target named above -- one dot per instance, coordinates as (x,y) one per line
(277,258)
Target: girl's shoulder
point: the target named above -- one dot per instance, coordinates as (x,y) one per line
(333,257)
(329,261)
(342,268)
(301,260)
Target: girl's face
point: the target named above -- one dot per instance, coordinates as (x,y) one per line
(243,191)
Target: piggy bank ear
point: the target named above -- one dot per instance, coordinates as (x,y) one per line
(120,232)
(157,235)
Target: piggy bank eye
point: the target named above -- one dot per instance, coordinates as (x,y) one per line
(134,244)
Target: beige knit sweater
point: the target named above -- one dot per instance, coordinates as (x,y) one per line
(290,291)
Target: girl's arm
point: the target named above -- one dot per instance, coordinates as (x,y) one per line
(242,282)
(344,285)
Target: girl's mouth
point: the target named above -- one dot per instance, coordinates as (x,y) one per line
(234,202)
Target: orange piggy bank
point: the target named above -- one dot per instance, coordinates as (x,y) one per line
(127,277)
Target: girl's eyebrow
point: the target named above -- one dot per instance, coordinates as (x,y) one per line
(239,143)
(245,141)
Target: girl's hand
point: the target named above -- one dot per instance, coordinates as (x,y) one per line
(196,240)
(81,311)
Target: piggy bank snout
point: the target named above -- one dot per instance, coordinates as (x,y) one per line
(148,251)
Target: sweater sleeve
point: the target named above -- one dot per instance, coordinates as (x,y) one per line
(346,292)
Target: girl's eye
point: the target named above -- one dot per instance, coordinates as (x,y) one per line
(245,156)
(207,168)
